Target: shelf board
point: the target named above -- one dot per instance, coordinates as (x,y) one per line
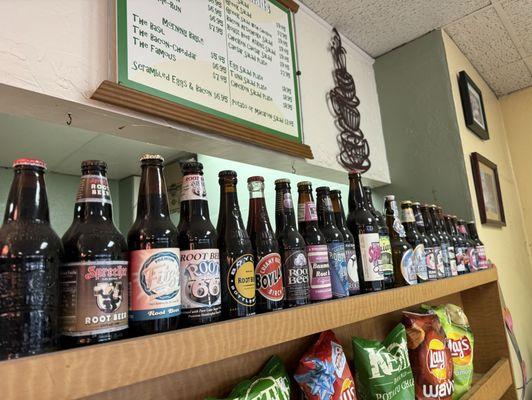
(91,370)
(493,384)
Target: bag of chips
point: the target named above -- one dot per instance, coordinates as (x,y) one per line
(460,342)
(323,373)
(383,369)
(430,357)
(271,383)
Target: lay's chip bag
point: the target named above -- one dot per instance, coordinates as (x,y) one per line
(460,341)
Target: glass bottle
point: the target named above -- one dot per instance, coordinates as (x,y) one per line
(482,260)
(430,254)
(435,241)
(416,241)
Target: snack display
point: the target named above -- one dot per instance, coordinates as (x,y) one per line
(430,357)
(323,372)
(383,369)
(271,383)
(460,342)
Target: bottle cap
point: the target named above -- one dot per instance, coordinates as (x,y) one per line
(389,197)
(324,189)
(336,192)
(191,165)
(367,189)
(227,173)
(32,162)
(406,203)
(304,183)
(255,179)
(282,180)
(93,163)
(416,203)
(151,157)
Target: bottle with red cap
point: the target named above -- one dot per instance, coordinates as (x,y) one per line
(29,266)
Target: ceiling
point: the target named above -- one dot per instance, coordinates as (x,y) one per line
(496,35)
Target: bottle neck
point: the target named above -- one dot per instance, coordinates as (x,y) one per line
(419,219)
(325,211)
(286,207)
(27,199)
(409,220)
(357,198)
(435,221)
(230,217)
(472,231)
(152,200)
(450,227)
(93,200)
(427,220)
(338,209)
(194,205)
(307,212)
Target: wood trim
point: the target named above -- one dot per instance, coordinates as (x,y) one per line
(118,95)
(290,4)
(494,384)
(87,371)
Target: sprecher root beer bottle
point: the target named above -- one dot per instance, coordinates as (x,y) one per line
(94,275)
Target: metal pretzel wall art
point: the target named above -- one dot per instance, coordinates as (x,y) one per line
(354,148)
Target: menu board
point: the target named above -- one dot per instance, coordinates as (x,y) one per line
(234,59)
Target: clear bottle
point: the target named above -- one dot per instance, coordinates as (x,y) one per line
(430,255)
(416,241)
(435,241)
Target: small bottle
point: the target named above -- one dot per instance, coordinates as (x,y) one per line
(458,243)
(444,242)
(471,246)
(402,252)
(482,260)
(430,255)
(465,243)
(335,243)
(349,241)
(435,241)
(236,253)
(316,245)
(416,241)
(268,268)
(448,239)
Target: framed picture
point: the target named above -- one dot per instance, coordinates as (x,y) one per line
(473,106)
(488,189)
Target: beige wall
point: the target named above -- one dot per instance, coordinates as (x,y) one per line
(506,246)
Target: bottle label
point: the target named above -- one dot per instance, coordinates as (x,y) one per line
(408,268)
(352,268)
(440,265)
(481,258)
(241,280)
(460,261)
(408,215)
(93,189)
(452,261)
(420,262)
(370,251)
(193,188)
(338,265)
(473,259)
(200,282)
(320,274)
(154,284)
(307,212)
(94,297)
(269,277)
(385,260)
(287,201)
(431,262)
(297,279)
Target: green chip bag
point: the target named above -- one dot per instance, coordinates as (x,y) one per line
(383,369)
(460,341)
(272,383)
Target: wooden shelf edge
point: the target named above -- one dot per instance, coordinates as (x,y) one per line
(96,369)
(494,384)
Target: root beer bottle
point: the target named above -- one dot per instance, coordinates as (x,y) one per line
(435,241)
(94,275)
(361,222)
(471,246)
(459,245)
(349,242)
(155,297)
(415,239)
(316,245)
(29,266)
(482,261)
(200,259)
(292,248)
(447,245)
(236,253)
(268,268)
(335,243)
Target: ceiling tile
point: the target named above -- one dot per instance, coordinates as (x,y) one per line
(509,78)
(378,26)
(519,14)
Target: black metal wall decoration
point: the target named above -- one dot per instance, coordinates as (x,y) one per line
(354,148)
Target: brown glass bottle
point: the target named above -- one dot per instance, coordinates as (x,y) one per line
(361,222)
(471,246)
(94,275)
(268,268)
(415,239)
(29,266)
(201,301)
(448,253)
(459,245)
(236,253)
(402,251)
(435,241)
(482,261)
(292,248)
(430,246)
(316,245)
(349,242)
(155,297)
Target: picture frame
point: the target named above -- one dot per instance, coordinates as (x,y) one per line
(473,106)
(488,190)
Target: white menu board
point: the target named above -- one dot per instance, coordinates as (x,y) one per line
(231,58)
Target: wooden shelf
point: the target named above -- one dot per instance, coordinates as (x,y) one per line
(493,384)
(91,370)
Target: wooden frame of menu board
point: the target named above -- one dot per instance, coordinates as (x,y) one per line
(237,79)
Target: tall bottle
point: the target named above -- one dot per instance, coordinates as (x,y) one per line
(386,260)
(430,256)
(435,241)
(458,243)
(415,239)
(316,245)
(236,253)
(29,266)
(402,251)
(200,258)
(362,223)
(482,261)
(349,242)
(94,275)
(448,250)
(335,243)
(465,242)
(154,289)
(292,248)
(268,268)
(471,246)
